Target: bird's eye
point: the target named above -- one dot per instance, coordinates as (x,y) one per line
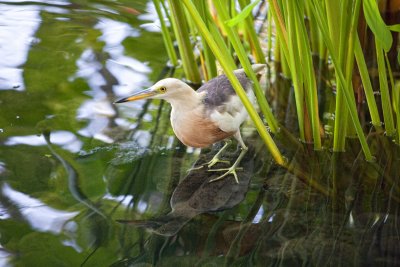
(163,89)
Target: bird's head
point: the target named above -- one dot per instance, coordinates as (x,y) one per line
(167,89)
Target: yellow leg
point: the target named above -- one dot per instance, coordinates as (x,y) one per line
(234,167)
(216,158)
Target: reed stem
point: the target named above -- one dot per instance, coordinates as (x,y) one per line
(181,31)
(166,35)
(224,59)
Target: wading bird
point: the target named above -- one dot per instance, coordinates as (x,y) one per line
(201,118)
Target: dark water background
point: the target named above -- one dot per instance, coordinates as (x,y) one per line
(85,182)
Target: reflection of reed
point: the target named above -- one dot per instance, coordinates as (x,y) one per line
(73,180)
(110,81)
(359,191)
(234,249)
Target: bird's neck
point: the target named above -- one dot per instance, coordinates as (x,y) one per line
(186,101)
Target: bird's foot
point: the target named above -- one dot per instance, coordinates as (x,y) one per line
(215,159)
(209,164)
(232,170)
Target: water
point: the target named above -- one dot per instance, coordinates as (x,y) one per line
(86,182)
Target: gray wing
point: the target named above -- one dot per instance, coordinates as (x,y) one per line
(222,105)
(219,90)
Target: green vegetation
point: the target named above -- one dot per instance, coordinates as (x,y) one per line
(302,29)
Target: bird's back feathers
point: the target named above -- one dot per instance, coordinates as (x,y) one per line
(219,90)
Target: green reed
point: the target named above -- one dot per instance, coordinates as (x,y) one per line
(166,35)
(180,26)
(243,58)
(301,65)
(366,81)
(209,58)
(319,14)
(396,107)
(221,53)
(227,33)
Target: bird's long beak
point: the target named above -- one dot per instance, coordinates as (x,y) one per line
(139,95)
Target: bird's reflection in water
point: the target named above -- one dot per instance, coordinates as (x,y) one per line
(195,194)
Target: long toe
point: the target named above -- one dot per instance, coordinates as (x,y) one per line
(231,170)
(209,164)
(225,169)
(214,161)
